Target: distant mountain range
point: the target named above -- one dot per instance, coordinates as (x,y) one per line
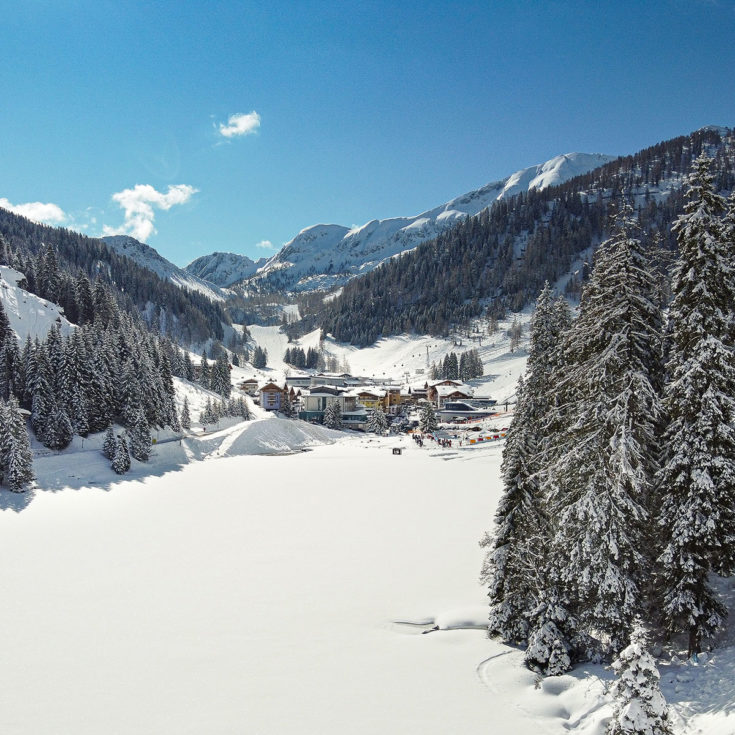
(323,256)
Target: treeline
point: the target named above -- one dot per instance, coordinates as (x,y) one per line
(109,370)
(499,259)
(184,315)
(466,367)
(296,357)
(618,466)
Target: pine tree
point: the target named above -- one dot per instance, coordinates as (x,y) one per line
(58,432)
(204,377)
(601,479)
(377,423)
(697,480)
(515,562)
(185,419)
(121,460)
(640,706)
(16,449)
(140,437)
(220,377)
(110,444)
(427,419)
(514,556)
(549,645)
(333,416)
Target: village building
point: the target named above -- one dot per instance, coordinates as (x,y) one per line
(315,401)
(270,397)
(298,381)
(448,390)
(249,386)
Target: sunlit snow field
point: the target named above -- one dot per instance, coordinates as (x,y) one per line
(251,594)
(279,594)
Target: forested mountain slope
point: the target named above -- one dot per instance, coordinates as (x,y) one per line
(499,259)
(151,259)
(56,261)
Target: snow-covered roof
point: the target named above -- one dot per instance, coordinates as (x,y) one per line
(447,390)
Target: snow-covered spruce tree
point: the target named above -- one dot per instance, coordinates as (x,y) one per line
(333,416)
(697,479)
(140,437)
(58,432)
(204,371)
(185,418)
(427,419)
(515,560)
(550,644)
(206,416)
(603,459)
(640,707)
(377,423)
(509,570)
(220,376)
(109,444)
(121,459)
(17,458)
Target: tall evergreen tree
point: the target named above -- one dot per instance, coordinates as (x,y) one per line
(333,416)
(377,422)
(427,419)
(121,459)
(110,444)
(697,480)
(516,558)
(185,419)
(140,437)
(17,458)
(601,478)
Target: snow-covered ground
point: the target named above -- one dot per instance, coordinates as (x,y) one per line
(279,594)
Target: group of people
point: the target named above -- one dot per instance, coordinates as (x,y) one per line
(444,443)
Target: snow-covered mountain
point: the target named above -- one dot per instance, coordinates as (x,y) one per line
(224,269)
(149,258)
(322,256)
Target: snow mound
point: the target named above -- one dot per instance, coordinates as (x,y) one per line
(269,435)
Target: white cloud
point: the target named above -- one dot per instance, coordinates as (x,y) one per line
(265,244)
(46,213)
(139,204)
(240,124)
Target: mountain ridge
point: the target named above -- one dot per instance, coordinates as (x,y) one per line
(323,256)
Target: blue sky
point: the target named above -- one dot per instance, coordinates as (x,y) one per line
(233,125)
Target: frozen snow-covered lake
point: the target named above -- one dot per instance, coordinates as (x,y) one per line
(253,595)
